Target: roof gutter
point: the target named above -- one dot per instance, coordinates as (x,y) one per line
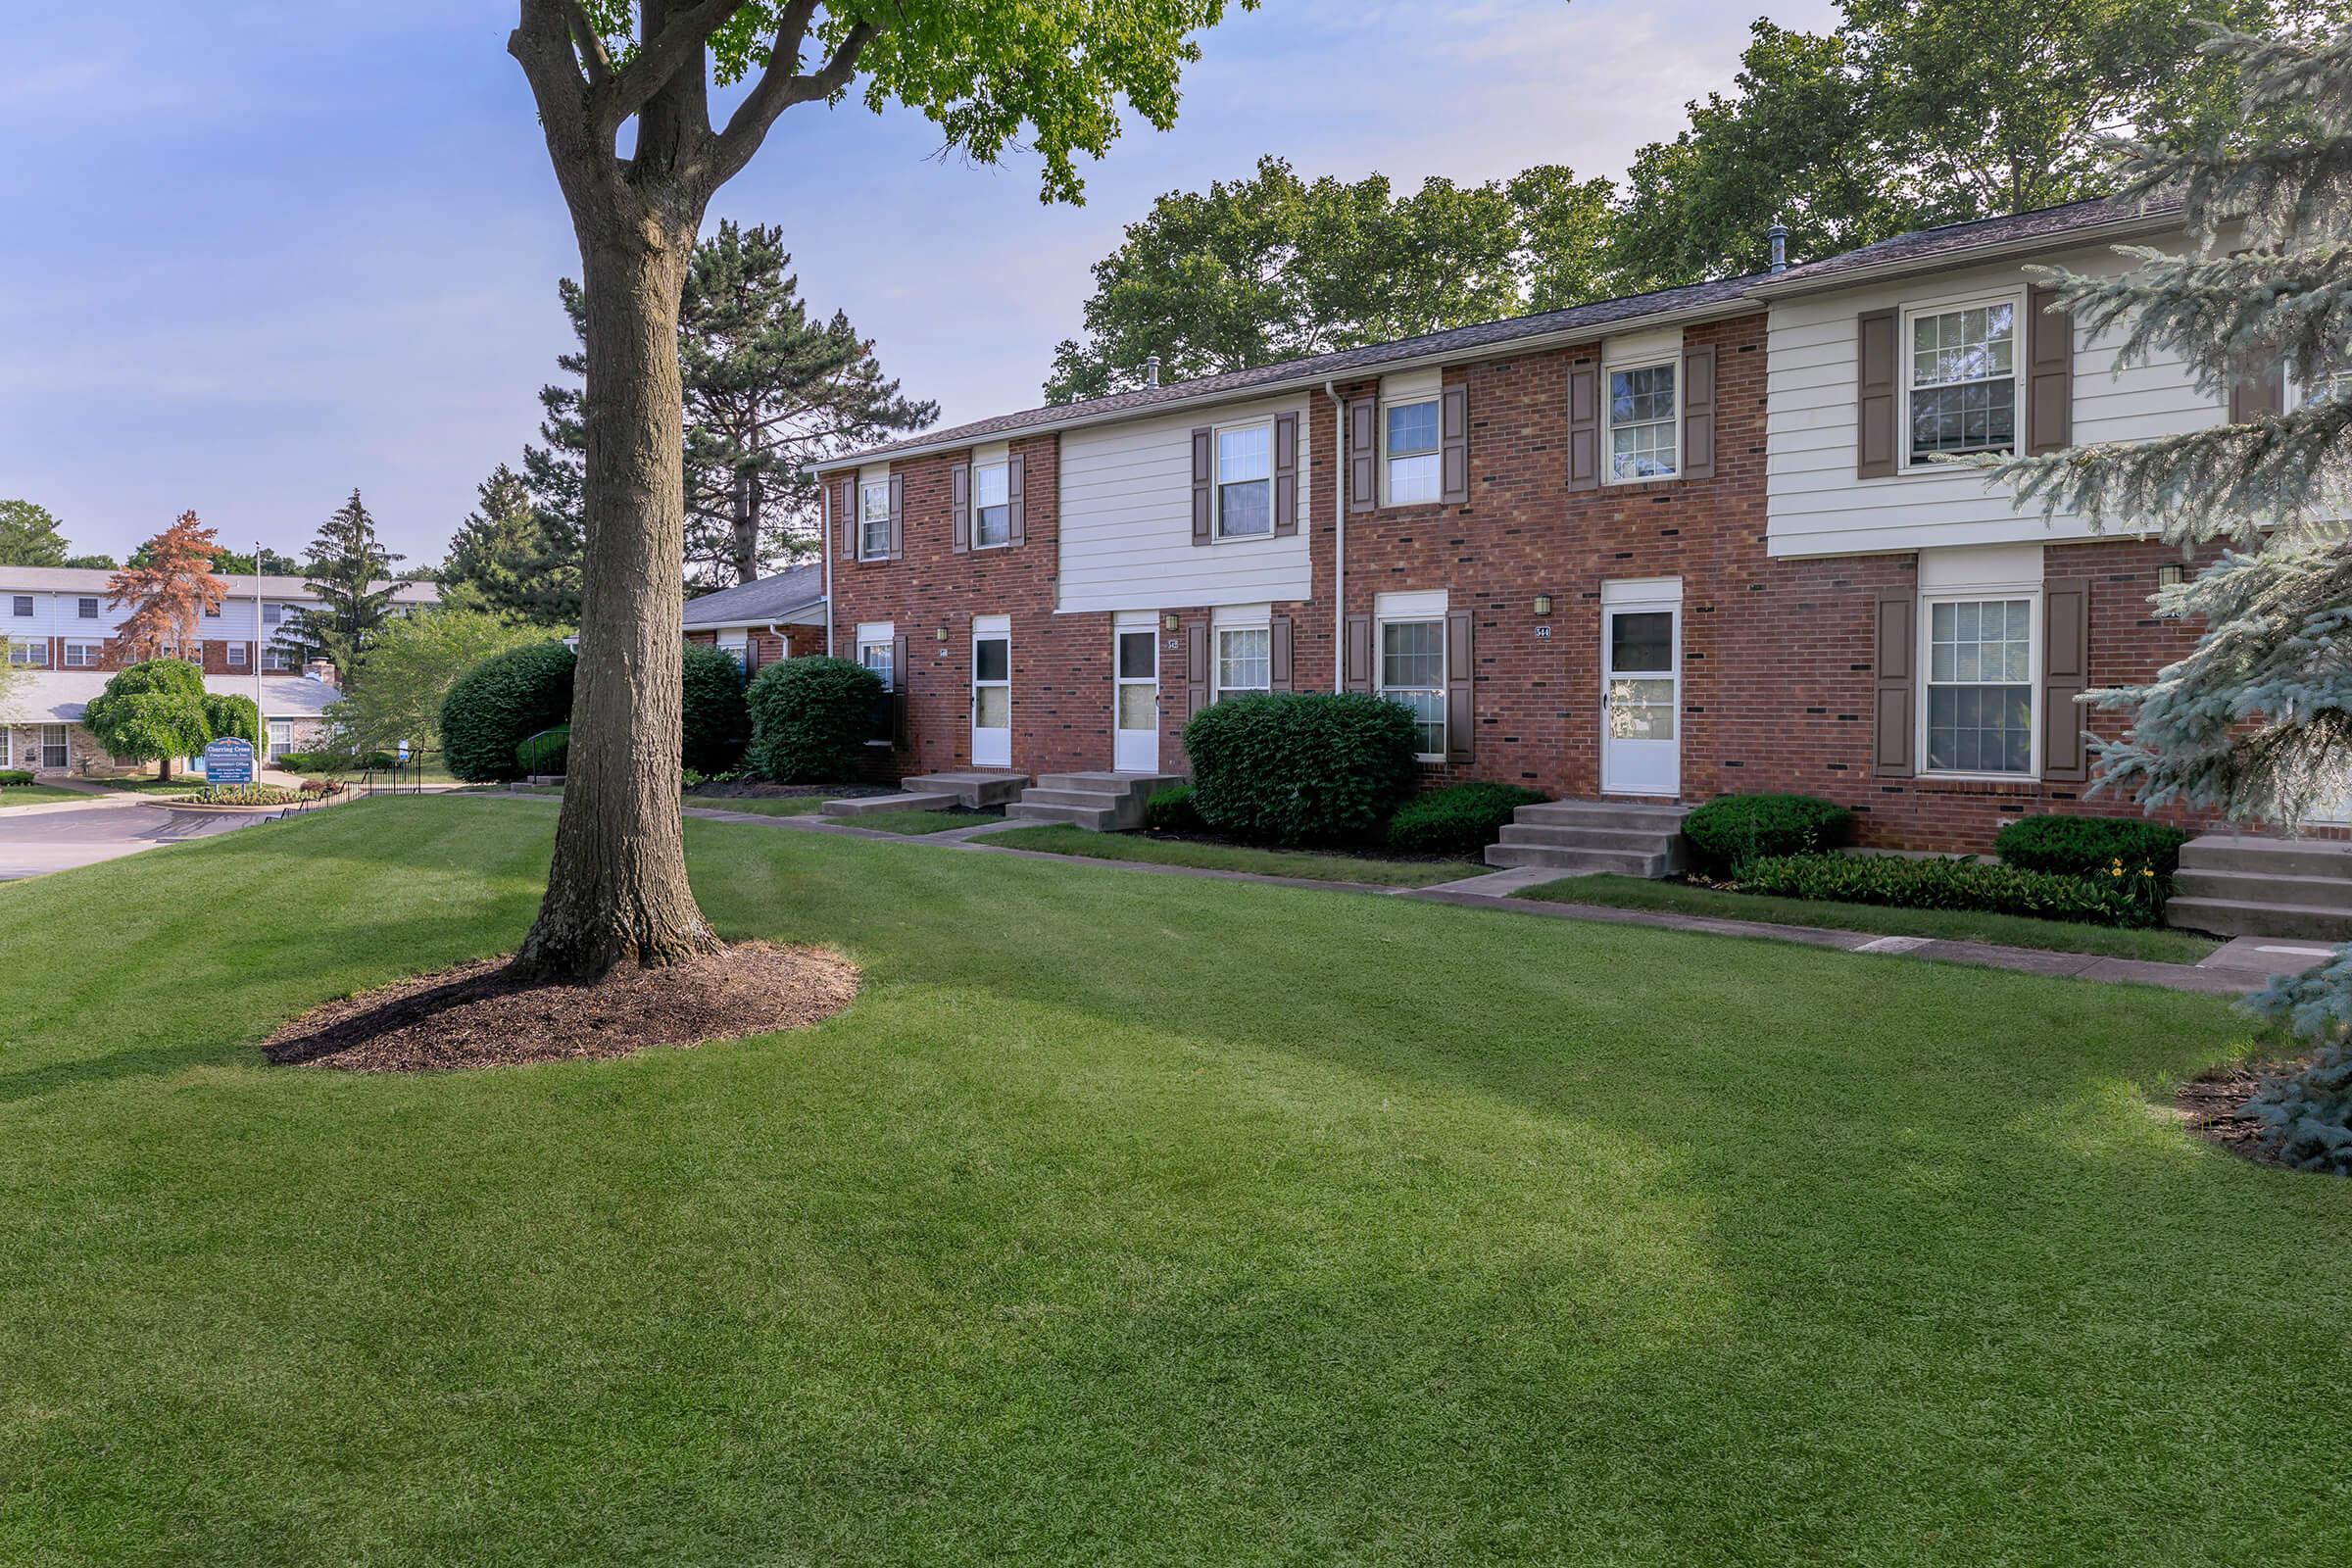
(1797,281)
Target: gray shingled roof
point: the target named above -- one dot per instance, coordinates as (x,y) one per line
(1924,248)
(1727,297)
(759,601)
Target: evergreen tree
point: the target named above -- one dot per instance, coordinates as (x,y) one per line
(2257,721)
(506,553)
(168,590)
(349,573)
(770,390)
(29,536)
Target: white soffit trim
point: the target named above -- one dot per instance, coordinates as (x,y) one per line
(992,625)
(1429,605)
(1633,346)
(991,451)
(875,631)
(1642,591)
(1969,567)
(1412,386)
(872,474)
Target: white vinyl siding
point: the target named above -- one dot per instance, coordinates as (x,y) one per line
(1126,518)
(1816,504)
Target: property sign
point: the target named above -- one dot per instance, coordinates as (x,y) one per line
(228,761)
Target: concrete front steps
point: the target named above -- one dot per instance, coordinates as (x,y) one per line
(937,792)
(2236,885)
(1572,836)
(1106,803)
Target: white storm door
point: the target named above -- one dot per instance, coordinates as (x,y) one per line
(992,693)
(1640,698)
(1135,744)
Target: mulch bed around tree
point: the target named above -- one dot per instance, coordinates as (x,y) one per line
(475,1016)
(2213,1106)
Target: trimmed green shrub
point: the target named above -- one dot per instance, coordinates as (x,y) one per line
(13,775)
(811,719)
(2089,844)
(715,720)
(1734,828)
(500,702)
(1884,879)
(245,795)
(151,712)
(1171,810)
(1459,819)
(1299,767)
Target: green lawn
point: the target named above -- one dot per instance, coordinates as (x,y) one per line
(763,805)
(37,793)
(1126,1220)
(917,822)
(1059,839)
(2008,930)
(176,784)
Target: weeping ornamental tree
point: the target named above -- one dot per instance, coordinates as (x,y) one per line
(1055,69)
(2256,721)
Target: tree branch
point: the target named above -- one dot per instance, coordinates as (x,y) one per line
(590,44)
(680,40)
(780,86)
(542,43)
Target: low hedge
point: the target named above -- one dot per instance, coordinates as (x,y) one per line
(1323,768)
(1736,828)
(2087,844)
(1171,810)
(811,719)
(244,795)
(2119,901)
(500,702)
(1459,819)
(13,775)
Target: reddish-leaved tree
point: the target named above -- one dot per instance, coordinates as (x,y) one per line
(170,593)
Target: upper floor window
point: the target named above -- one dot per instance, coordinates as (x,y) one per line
(1412,432)
(1246,481)
(87,609)
(1645,434)
(1980,680)
(992,505)
(1244,659)
(272,614)
(211,611)
(23,604)
(874,519)
(1412,674)
(1961,375)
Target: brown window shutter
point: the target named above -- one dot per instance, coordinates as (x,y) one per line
(2259,395)
(1363,455)
(1286,474)
(849,519)
(1278,653)
(1204,497)
(1454,444)
(1016,500)
(1359,653)
(959,508)
(1875,423)
(1459,673)
(1699,414)
(2064,676)
(2049,375)
(1196,667)
(898,515)
(1584,426)
(901,678)
(1895,713)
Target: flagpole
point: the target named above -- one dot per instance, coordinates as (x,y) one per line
(260,718)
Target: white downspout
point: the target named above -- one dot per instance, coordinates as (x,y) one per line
(1338,538)
(824,510)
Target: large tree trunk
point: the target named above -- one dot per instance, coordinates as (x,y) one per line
(618,889)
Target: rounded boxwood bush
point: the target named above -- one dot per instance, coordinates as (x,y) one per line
(1736,828)
(500,702)
(1302,769)
(717,722)
(811,719)
(1171,810)
(2078,846)
(1459,819)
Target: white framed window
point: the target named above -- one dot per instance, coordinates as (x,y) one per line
(20,606)
(1960,381)
(881,658)
(275,658)
(1978,679)
(237,655)
(992,506)
(29,654)
(1410,441)
(874,519)
(1412,676)
(87,609)
(1244,660)
(273,613)
(1644,418)
(1245,477)
(281,737)
(7,743)
(84,655)
(211,611)
(54,753)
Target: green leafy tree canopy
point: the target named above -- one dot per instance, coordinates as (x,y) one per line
(29,536)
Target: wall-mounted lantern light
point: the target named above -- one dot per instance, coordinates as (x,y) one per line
(1167,623)
(1543,603)
(943,634)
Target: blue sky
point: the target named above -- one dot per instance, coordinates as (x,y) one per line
(255,254)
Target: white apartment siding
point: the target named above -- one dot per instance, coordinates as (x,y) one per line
(1816,505)
(1126,521)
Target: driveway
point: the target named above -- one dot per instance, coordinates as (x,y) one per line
(34,838)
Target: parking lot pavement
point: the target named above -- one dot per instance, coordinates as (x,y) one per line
(34,840)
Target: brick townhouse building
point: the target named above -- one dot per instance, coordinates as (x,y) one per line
(1647,550)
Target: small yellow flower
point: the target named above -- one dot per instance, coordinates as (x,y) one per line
(2148,871)
(2118,871)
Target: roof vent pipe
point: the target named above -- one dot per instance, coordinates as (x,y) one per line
(1778,236)
(1151,371)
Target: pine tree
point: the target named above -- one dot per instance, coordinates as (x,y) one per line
(505,552)
(349,570)
(170,592)
(2257,721)
(29,536)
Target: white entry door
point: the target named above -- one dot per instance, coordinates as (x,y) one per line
(1135,745)
(992,692)
(1640,697)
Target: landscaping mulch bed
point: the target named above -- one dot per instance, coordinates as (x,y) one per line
(2213,1106)
(475,1016)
